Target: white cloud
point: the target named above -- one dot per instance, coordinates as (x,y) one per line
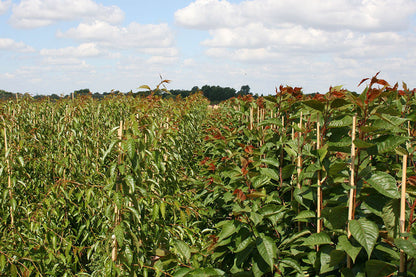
(83,50)
(210,14)
(8,75)
(363,15)
(153,39)
(11,45)
(4,6)
(36,13)
(312,32)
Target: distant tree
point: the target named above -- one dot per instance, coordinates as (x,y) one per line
(6,94)
(244,90)
(217,94)
(85,91)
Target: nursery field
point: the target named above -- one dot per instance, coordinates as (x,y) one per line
(285,185)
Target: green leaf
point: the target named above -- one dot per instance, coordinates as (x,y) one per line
(292,264)
(244,244)
(376,268)
(407,246)
(288,170)
(130,183)
(128,254)
(162,208)
(344,121)
(322,152)
(119,234)
(344,244)
(259,266)
(227,230)
(306,214)
(294,237)
(13,270)
(388,143)
(270,209)
(330,259)
(259,181)
(362,144)
(145,87)
(205,272)
(391,216)
(21,161)
(155,211)
(391,119)
(269,172)
(183,249)
(130,147)
(317,239)
(271,161)
(384,184)
(242,256)
(365,232)
(183,271)
(267,249)
(2,262)
(315,104)
(401,151)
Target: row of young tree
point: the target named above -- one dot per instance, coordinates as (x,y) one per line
(214,94)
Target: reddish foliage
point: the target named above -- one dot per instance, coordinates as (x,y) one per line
(211,166)
(249,149)
(412,180)
(260,102)
(244,170)
(247,98)
(239,194)
(372,94)
(319,97)
(203,162)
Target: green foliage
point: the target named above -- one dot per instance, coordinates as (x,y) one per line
(183,189)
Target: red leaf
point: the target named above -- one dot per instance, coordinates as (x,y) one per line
(373,94)
(319,97)
(382,82)
(362,81)
(249,149)
(411,180)
(211,167)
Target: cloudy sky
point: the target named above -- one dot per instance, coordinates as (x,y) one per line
(58,46)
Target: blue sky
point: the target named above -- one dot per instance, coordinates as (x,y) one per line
(58,46)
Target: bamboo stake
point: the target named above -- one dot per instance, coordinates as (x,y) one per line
(116,211)
(299,166)
(351,202)
(250,126)
(402,268)
(9,180)
(299,158)
(281,153)
(319,192)
(258,116)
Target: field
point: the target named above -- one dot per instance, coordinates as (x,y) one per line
(285,185)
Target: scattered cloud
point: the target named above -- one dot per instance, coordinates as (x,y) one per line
(83,50)
(296,40)
(12,45)
(4,6)
(35,13)
(152,39)
(132,36)
(361,15)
